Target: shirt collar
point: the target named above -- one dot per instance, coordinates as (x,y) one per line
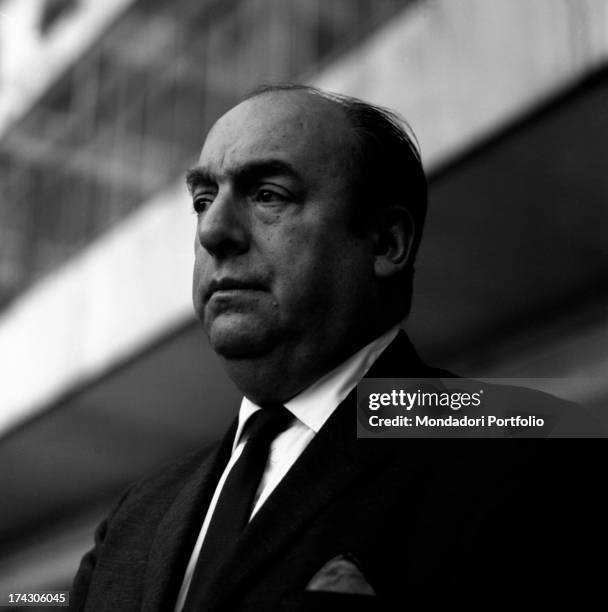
(315,404)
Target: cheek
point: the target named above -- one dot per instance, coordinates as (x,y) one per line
(200,279)
(319,272)
(197,294)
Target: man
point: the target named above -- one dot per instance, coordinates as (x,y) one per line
(310,211)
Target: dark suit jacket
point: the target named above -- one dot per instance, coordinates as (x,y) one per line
(438,521)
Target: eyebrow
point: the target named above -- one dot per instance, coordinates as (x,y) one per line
(200,175)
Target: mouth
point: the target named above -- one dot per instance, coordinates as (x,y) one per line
(229,285)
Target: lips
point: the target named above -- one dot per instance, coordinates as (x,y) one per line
(232,284)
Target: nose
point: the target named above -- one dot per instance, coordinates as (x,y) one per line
(222,229)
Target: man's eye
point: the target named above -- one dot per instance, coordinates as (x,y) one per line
(268,196)
(201,203)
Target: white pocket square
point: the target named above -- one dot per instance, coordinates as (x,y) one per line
(341,575)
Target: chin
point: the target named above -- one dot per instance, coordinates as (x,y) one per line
(239,341)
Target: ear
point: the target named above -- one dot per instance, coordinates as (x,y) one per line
(393,242)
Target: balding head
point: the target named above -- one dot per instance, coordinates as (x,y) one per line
(316,132)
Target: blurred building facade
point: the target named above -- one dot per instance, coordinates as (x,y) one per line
(104,105)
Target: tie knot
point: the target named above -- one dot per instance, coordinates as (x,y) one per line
(268,422)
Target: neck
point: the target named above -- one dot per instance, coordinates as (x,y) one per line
(281,374)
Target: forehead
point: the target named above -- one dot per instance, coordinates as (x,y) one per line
(305,130)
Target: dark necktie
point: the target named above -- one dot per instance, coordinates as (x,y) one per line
(235,503)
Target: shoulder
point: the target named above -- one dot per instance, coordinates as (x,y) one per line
(546,414)
(124,537)
(144,503)
(160,486)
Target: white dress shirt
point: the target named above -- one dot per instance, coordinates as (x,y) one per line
(311,408)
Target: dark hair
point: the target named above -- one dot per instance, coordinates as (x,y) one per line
(386,166)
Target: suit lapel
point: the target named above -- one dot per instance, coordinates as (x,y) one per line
(332,461)
(177,531)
